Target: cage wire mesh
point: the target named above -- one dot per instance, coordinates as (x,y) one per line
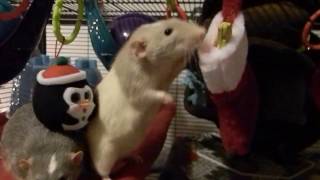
(155,8)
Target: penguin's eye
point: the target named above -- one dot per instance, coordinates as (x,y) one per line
(75,97)
(87,95)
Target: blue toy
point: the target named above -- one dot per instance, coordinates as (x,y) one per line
(90,67)
(102,41)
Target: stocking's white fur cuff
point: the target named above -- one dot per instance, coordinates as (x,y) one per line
(222,68)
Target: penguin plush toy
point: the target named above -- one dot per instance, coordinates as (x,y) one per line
(62,97)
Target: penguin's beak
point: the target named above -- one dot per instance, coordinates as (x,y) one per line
(84,104)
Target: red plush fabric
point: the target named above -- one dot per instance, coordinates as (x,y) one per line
(5,175)
(148,150)
(237,112)
(230,9)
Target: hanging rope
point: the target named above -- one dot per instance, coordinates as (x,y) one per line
(173,6)
(18,11)
(306,32)
(230,10)
(56,53)
(56,22)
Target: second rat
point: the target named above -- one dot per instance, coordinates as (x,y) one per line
(136,86)
(33,152)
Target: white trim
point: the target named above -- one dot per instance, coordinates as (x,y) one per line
(61,80)
(222,68)
(74,109)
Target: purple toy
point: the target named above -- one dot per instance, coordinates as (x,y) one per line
(123,26)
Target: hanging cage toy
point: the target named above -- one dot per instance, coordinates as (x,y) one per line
(56,17)
(306,32)
(102,41)
(16,12)
(173,6)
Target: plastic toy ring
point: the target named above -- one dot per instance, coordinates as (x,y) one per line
(173,6)
(306,31)
(56,22)
(16,12)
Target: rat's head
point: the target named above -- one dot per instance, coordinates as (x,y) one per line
(56,166)
(166,40)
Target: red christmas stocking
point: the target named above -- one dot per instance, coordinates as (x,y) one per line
(232,85)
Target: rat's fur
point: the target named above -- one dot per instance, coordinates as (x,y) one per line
(25,138)
(136,86)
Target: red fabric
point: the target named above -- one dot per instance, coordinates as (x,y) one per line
(148,150)
(237,111)
(230,9)
(307,29)
(4,16)
(5,175)
(59,70)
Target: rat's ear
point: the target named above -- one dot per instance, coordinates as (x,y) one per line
(76,157)
(138,48)
(24,164)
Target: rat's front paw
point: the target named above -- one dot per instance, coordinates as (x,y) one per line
(168,99)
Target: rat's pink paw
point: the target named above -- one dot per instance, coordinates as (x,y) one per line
(168,99)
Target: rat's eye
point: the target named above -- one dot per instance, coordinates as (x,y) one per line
(168,31)
(75,97)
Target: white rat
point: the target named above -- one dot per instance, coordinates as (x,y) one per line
(137,84)
(32,152)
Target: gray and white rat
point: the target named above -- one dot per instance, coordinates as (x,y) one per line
(137,84)
(32,152)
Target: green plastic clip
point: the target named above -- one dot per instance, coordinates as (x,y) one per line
(224,34)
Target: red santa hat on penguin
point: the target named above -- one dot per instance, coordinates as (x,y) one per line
(61,73)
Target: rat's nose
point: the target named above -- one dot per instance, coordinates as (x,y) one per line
(202,34)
